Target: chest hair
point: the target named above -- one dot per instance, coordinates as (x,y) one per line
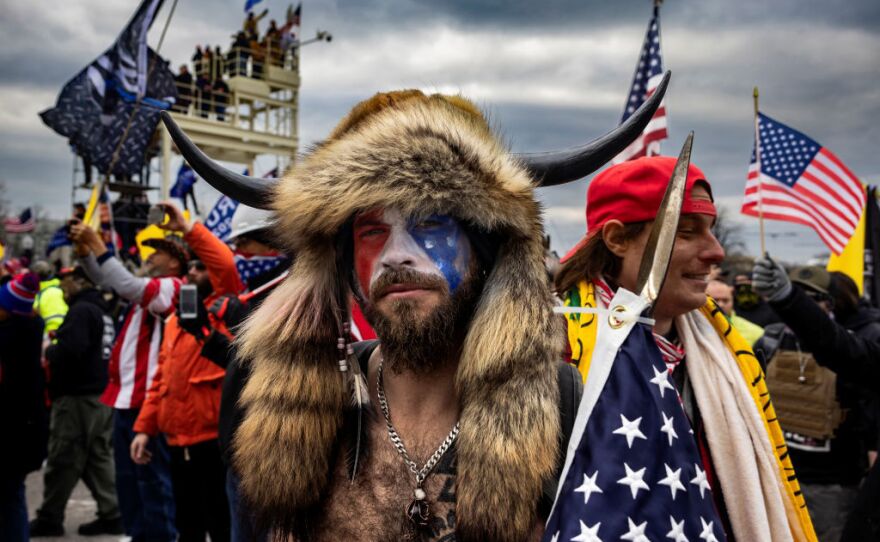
(371,509)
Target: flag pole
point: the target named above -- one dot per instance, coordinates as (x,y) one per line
(760,182)
(137,104)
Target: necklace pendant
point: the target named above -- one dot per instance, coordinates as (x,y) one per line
(802,379)
(417,511)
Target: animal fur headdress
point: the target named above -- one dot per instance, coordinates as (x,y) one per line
(421,154)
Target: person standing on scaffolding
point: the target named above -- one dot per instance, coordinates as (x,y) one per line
(250,25)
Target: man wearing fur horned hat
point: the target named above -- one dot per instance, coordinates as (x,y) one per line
(450,426)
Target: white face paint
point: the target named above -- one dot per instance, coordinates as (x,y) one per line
(433,246)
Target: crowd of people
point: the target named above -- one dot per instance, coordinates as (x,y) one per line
(205,87)
(308,399)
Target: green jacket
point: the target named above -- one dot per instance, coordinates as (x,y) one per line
(50,304)
(750,331)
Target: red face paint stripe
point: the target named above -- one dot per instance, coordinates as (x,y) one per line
(370,236)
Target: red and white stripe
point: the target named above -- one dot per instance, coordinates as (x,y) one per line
(648,142)
(828,197)
(13,225)
(135,355)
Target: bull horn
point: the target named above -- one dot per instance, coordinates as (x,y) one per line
(251,191)
(560,167)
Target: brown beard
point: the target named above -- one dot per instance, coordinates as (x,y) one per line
(421,345)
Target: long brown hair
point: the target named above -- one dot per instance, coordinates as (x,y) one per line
(593,260)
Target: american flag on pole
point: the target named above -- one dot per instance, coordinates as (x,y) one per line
(632,470)
(803,182)
(649,73)
(20,224)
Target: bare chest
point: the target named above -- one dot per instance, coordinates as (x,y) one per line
(372,507)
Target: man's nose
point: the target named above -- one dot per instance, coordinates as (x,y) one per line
(712,252)
(400,250)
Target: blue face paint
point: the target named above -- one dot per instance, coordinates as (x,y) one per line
(444,241)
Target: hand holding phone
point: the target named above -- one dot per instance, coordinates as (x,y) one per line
(188,302)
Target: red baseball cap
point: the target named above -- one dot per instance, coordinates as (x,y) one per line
(632,192)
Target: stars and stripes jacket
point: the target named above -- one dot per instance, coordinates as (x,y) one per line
(135,355)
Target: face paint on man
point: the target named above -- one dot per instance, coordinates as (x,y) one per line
(435,247)
(418,285)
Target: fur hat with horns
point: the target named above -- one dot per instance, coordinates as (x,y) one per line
(421,154)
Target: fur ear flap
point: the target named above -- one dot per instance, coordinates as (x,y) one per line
(508,445)
(295,396)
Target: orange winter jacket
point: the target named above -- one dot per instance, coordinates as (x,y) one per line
(183,401)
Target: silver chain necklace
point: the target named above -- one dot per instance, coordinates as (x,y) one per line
(417,511)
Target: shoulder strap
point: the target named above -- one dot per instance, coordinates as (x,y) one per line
(362,351)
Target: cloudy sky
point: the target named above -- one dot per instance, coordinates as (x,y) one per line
(550,75)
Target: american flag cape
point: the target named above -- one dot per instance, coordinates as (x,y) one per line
(649,73)
(801,181)
(632,469)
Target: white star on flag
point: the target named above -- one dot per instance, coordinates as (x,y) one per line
(668,428)
(588,534)
(661,379)
(636,532)
(700,480)
(672,480)
(630,429)
(677,531)
(708,533)
(589,486)
(634,480)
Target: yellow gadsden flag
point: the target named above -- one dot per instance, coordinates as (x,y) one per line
(851,261)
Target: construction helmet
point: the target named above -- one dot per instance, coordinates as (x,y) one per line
(248,219)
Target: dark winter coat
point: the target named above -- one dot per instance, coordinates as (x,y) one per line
(78,359)
(850,348)
(24,421)
(853,357)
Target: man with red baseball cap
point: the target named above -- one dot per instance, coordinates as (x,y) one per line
(710,365)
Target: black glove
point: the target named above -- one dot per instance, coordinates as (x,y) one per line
(200,326)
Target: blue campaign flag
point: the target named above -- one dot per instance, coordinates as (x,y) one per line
(633,470)
(185,183)
(219,220)
(249,4)
(59,239)
(109,110)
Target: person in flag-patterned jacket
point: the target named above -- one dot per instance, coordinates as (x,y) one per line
(145,489)
(144,492)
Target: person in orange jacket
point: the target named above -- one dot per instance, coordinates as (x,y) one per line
(183,401)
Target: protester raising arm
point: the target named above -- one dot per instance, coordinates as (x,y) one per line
(157,294)
(211,251)
(851,357)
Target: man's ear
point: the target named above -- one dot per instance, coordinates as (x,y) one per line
(612,234)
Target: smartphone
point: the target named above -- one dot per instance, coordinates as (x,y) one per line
(156,215)
(189,297)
